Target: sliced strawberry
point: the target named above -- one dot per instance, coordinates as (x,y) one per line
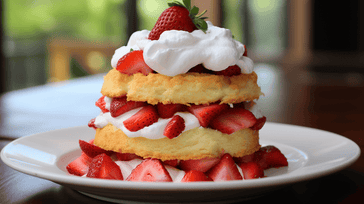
(259,124)
(271,156)
(120,105)
(91,123)
(225,170)
(127,156)
(102,166)
(143,118)
(206,113)
(173,162)
(202,165)
(168,110)
(230,71)
(251,170)
(199,69)
(151,170)
(239,105)
(91,141)
(174,127)
(245,52)
(91,150)
(193,175)
(245,159)
(79,166)
(132,63)
(232,120)
(101,104)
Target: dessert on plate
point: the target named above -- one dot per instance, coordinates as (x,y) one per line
(179,105)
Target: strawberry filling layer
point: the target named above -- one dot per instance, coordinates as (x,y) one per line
(139,119)
(95,162)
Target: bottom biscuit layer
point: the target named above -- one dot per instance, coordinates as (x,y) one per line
(197,143)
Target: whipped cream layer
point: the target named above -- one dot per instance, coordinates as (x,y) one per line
(155,131)
(176,51)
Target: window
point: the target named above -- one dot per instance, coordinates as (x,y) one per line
(57,40)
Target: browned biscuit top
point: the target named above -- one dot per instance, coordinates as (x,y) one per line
(190,88)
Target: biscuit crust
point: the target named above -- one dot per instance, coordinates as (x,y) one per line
(196,143)
(190,88)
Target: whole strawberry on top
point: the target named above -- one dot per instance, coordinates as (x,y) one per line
(179,16)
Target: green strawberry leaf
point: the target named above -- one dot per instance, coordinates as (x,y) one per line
(176,3)
(194,11)
(200,24)
(187,4)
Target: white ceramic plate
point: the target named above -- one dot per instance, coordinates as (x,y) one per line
(311,153)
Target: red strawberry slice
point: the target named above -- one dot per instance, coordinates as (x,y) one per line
(120,105)
(151,170)
(132,63)
(143,118)
(202,165)
(230,71)
(168,110)
(245,159)
(251,170)
(174,127)
(239,105)
(225,170)
(206,113)
(127,156)
(173,162)
(79,166)
(270,156)
(178,17)
(91,123)
(259,124)
(245,52)
(102,166)
(193,175)
(101,104)
(91,150)
(232,120)
(199,69)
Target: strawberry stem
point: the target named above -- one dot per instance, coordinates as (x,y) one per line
(200,16)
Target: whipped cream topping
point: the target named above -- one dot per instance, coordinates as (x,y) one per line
(155,131)
(178,51)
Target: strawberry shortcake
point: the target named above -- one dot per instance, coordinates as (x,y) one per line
(179,105)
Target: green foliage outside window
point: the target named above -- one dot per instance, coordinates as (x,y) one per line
(100,20)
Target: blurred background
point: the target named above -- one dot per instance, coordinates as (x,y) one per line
(47,41)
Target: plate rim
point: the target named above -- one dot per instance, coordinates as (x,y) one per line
(227,185)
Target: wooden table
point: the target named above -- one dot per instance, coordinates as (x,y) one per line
(329,102)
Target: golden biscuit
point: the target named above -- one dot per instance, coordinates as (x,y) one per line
(190,88)
(196,143)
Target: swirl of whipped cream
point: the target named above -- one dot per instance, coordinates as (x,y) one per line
(178,51)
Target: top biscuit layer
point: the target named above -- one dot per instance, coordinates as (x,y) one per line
(190,88)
